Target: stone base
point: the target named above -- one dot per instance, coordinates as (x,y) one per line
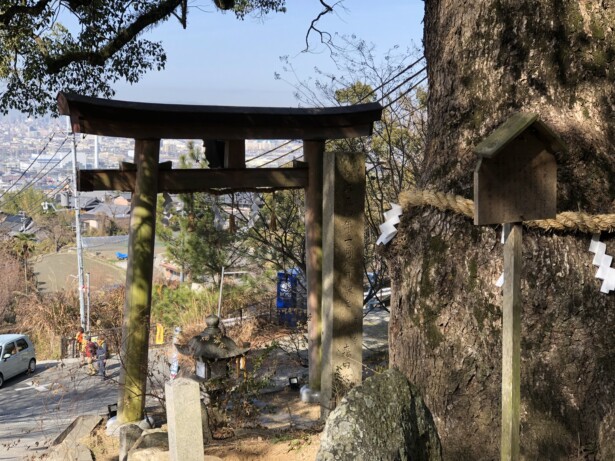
(308,395)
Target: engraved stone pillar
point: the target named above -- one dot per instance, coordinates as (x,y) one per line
(344,198)
(183,401)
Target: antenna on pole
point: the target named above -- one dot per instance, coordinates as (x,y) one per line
(77,227)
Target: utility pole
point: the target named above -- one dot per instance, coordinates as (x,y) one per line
(96,152)
(87,322)
(77,227)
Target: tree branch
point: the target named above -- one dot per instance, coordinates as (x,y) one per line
(164,9)
(15,10)
(325,37)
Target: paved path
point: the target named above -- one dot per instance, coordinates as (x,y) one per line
(36,408)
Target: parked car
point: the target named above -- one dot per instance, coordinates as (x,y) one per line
(17,355)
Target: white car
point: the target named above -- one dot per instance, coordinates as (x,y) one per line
(17,355)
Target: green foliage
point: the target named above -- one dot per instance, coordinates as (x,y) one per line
(194,239)
(28,200)
(233,396)
(244,8)
(84,46)
(357,93)
(278,236)
(23,244)
(49,317)
(180,305)
(57,230)
(174,305)
(55,227)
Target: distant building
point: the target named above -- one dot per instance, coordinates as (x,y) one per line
(15,224)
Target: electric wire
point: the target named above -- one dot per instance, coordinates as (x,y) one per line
(13,198)
(270,151)
(397,87)
(60,185)
(38,176)
(281,156)
(382,85)
(390,79)
(32,183)
(29,166)
(405,92)
(373,91)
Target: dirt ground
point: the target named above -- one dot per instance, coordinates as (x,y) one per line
(283,443)
(300,446)
(58,270)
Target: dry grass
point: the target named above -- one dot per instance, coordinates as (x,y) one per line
(103,447)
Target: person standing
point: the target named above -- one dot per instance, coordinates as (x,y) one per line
(80,346)
(90,354)
(101,355)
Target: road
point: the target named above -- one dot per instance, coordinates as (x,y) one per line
(36,408)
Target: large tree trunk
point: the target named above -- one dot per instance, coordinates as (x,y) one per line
(487,60)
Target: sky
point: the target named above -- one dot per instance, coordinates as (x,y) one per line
(220,60)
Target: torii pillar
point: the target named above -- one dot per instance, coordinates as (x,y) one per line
(139,276)
(339,345)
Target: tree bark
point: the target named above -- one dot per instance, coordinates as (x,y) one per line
(486,61)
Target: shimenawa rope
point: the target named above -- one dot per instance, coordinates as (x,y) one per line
(568,221)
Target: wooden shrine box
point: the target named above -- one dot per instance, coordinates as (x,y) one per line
(516,176)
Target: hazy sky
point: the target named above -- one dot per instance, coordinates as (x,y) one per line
(221,60)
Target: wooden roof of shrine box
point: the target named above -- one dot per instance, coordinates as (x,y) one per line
(516,176)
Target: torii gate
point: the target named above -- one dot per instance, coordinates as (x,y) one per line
(334,188)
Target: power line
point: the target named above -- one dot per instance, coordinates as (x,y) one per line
(14,197)
(36,177)
(397,87)
(271,150)
(63,183)
(29,166)
(32,183)
(382,85)
(405,92)
(281,156)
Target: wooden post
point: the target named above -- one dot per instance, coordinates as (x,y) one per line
(342,305)
(515,180)
(235,153)
(511,344)
(135,330)
(313,152)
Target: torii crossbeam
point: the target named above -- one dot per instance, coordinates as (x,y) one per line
(340,186)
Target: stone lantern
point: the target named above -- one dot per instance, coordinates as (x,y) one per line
(214,351)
